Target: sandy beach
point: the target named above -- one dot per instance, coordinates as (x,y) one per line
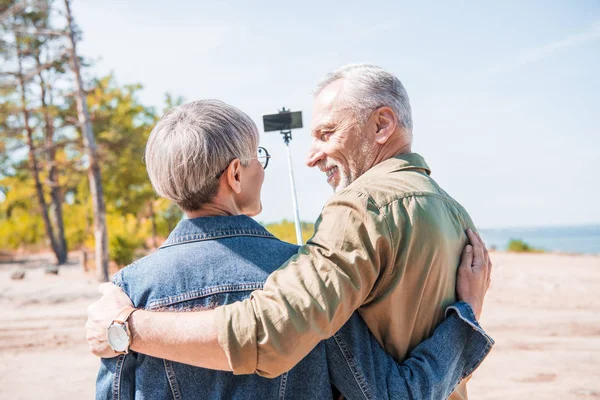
(542,310)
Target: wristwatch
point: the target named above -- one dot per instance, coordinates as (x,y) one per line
(119,335)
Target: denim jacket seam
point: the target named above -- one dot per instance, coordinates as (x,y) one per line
(468,370)
(282,386)
(116,389)
(199,237)
(465,312)
(356,373)
(198,294)
(172,379)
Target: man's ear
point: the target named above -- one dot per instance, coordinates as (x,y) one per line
(234,176)
(386,122)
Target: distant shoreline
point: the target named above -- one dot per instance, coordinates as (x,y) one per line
(576,239)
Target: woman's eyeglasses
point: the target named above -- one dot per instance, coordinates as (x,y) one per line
(262,155)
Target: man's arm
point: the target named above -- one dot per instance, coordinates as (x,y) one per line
(305,301)
(189,338)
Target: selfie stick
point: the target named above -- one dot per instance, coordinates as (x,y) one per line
(284,121)
(287,137)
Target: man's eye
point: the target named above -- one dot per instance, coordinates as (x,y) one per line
(325,136)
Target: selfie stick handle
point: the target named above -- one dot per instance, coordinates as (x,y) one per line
(286,138)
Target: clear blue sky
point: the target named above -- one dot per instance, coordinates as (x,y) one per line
(505,95)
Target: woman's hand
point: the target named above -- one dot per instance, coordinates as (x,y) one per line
(474,273)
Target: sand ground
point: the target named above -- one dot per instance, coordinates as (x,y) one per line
(543,310)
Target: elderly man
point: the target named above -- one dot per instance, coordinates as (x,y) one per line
(387,244)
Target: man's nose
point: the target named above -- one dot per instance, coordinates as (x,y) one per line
(314,156)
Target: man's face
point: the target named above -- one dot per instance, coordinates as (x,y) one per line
(340,148)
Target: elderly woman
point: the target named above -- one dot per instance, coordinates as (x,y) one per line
(204,156)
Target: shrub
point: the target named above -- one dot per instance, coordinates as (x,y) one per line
(23,229)
(519,246)
(286,230)
(126,234)
(122,249)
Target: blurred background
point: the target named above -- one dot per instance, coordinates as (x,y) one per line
(505,98)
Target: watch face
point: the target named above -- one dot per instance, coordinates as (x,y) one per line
(118,338)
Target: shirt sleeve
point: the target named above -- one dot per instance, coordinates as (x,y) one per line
(361,369)
(311,296)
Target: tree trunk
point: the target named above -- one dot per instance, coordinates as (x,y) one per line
(33,164)
(55,192)
(94,175)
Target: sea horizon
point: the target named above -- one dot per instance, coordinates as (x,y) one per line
(583,239)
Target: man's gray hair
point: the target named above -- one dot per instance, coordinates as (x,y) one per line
(368,87)
(192,144)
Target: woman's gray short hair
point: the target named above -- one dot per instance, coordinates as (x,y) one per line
(368,87)
(191,144)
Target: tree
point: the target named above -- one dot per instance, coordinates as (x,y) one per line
(89,143)
(122,125)
(50,147)
(86,182)
(21,50)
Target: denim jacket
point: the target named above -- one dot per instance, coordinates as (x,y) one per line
(210,261)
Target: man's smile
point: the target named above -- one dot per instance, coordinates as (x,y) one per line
(330,172)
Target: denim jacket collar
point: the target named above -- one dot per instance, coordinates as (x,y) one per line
(210,228)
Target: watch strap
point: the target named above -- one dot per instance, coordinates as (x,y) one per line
(124,314)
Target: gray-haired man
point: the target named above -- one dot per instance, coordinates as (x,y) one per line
(387,244)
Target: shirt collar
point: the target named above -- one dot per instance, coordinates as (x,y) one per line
(402,162)
(210,228)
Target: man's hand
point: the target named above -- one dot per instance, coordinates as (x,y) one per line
(474,273)
(100,316)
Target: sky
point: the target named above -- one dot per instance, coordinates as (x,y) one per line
(505,95)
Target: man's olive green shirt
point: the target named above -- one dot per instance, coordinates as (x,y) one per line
(388,245)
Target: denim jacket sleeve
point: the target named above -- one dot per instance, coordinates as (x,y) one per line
(361,369)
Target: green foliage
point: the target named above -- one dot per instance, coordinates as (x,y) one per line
(22,230)
(167,215)
(126,234)
(121,249)
(286,230)
(122,125)
(136,218)
(20,223)
(78,225)
(519,246)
